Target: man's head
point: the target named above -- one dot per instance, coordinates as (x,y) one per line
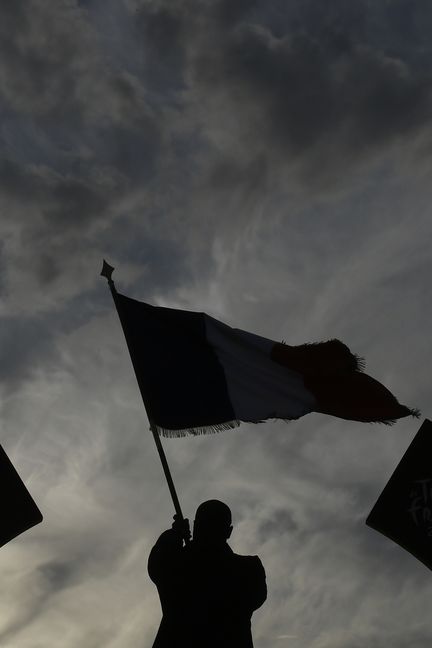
(212,524)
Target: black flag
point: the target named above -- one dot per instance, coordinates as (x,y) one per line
(18,511)
(403,511)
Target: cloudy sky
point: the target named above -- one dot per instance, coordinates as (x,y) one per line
(267,162)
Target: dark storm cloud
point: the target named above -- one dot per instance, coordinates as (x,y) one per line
(249,176)
(76,132)
(407,638)
(26,344)
(336,79)
(160,34)
(73,203)
(65,202)
(340,73)
(58,574)
(20,183)
(57,76)
(48,209)
(36,45)
(85,105)
(280,523)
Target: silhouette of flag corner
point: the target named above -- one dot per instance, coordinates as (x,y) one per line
(18,511)
(403,511)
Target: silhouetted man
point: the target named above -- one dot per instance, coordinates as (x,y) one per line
(208,593)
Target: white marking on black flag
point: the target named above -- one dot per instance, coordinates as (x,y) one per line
(18,510)
(403,511)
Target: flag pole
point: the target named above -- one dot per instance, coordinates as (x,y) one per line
(106,272)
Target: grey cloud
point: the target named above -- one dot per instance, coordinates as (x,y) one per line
(405,638)
(30,69)
(74,203)
(20,183)
(48,579)
(65,202)
(78,135)
(47,269)
(49,210)
(300,78)
(25,344)
(231,177)
(161,32)
(58,574)
(301,83)
(230,13)
(280,523)
(30,344)
(66,85)
(317,80)
(131,150)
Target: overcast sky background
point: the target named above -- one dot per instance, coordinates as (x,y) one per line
(268,162)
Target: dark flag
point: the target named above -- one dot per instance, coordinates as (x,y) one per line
(198,375)
(403,511)
(18,511)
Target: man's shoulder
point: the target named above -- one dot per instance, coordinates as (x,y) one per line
(245,558)
(248,562)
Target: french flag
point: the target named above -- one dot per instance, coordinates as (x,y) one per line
(198,375)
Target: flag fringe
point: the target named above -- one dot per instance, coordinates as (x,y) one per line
(414,412)
(229,425)
(196,431)
(407,411)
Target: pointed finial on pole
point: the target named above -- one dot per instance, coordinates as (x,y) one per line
(106,272)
